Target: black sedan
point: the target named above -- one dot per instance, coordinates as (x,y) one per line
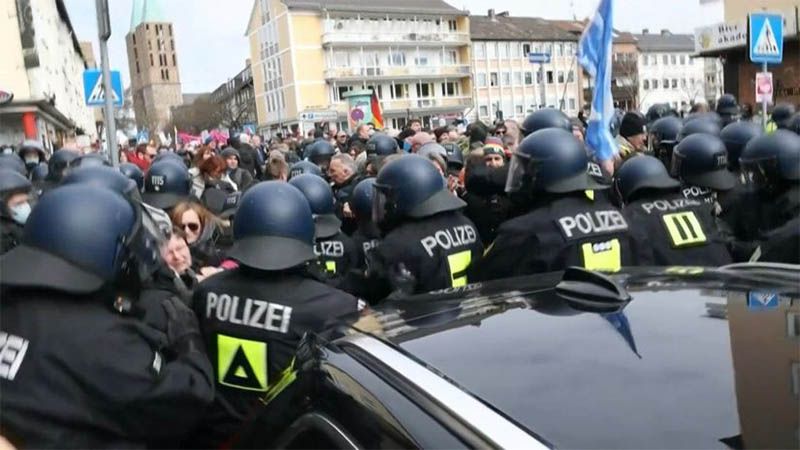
(649,358)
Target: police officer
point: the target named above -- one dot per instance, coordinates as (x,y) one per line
(336,252)
(700,162)
(679,231)
(80,366)
(781,117)
(662,136)
(133,172)
(703,123)
(565,225)
(736,135)
(13,162)
(301,167)
(380,144)
(32,153)
(15,207)
(657,111)
(728,109)
(166,184)
(367,235)
(58,165)
(545,118)
(320,153)
(427,242)
(254,316)
(90,160)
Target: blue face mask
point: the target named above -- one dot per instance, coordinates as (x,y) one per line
(21,212)
(406,146)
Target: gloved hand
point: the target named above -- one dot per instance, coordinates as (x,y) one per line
(403,282)
(183,331)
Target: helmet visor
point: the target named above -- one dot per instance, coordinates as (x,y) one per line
(756,173)
(517,173)
(148,241)
(379,202)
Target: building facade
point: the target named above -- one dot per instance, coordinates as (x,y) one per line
(668,71)
(153,65)
(237,99)
(306,56)
(42,66)
(507,85)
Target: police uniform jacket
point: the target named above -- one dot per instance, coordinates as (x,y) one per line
(76,373)
(782,245)
(569,230)
(427,254)
(677,230)
(366,238)
(10,234)
(252,322)
(337,255)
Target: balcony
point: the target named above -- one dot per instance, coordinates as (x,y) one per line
(360,38)
(432,103)
(410,72)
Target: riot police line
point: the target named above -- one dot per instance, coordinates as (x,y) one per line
(160,303)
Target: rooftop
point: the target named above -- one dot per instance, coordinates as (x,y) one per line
(147,11)
(418,7)
(576,27)
(664,41)
(503,27)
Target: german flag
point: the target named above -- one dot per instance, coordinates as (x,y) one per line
(377,111)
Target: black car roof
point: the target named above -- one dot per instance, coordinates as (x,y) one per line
(697,358)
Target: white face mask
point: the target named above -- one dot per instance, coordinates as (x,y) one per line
(20,212)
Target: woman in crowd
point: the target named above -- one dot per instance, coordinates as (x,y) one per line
(211,171)
(201,231)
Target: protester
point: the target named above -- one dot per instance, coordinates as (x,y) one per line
(200,227)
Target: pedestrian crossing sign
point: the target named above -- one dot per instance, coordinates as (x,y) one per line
(766,38)
(94,90)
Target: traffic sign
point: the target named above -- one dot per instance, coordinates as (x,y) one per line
(764,87)
(540,58)
(93,90)
(766,38)
(322,115)
(761,301)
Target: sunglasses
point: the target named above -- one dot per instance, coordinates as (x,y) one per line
(342,136)
(193,227)
(499,133)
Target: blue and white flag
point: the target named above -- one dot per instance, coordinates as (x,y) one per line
(594,54)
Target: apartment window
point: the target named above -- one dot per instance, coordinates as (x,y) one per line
(515,49)
(421,61)
(147,27)
(572,103)
(451,57)
(655,84)
(674,83)
(480,50)
(399,91)
(172,44)
(571,77)
(493,79)
(793,325)
(518,109)
(646,85)
(151,60)
(397,59)
(673,59)
(491,49)
(683,83)
(645,60)
(452,25)
(340,91)
(450,89)
(170,28)
(517,78)
(174,60)
(528,78)
(135,53)
(166,72)
(137,67)
(666,83)
(503,49)
(506,78)
(481,79)
(683,60)
(549,77)
(665,60)
(526,48)
(560,50)
(483,110)
(560,76)
(424,90)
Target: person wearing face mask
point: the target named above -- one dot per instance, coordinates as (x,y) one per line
(32,153)
(15,193)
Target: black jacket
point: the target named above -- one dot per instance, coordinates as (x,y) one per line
(487,204)
(83,375)
(342,195)
(242,178)
(248,160)
(10,234)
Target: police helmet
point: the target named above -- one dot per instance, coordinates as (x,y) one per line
(411,187)
(32,146)
(640,173)
(782,114)
(39,173)
(794,123)
(90,160)
(320,152)
(735,136)
(303,167)
(662,135)
(320,197)
(12,162)
(104,177)
(166,184)
(102,237)
(274,229)
(382,145)
(432,148)
(550,160)
(169,156)
(702,160)
(545,118)
(700,124)
(657,111)
(59,163)
(727,105)
(455,157)
(12,182)
(229,151)
(133,172)
(771,159)
(361,201)
(222,204)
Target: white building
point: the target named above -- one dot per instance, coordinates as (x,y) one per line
(667,71)
(42,65)
(504,78)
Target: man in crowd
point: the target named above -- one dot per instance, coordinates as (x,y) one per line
(342,174)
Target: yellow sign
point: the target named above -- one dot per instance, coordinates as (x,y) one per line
(459,262)
(330,266)
(242,363)
(684,229)
(605,256)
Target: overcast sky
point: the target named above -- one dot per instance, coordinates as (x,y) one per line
(209,34)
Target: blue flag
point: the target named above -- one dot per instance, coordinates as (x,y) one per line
(594,54)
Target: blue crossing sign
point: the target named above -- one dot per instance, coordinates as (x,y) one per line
(761,301)
(766,38)
(540,58)
(94,91)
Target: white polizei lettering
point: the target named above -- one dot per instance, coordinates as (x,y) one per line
(584,223)
(567,224)
(261,309)
(234,308)
(458,236)
(12,352)
(246,315)
(277,313)
(211,302)
(224,308)
(369,245)
(287,317)
(593,223)
(669,205)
